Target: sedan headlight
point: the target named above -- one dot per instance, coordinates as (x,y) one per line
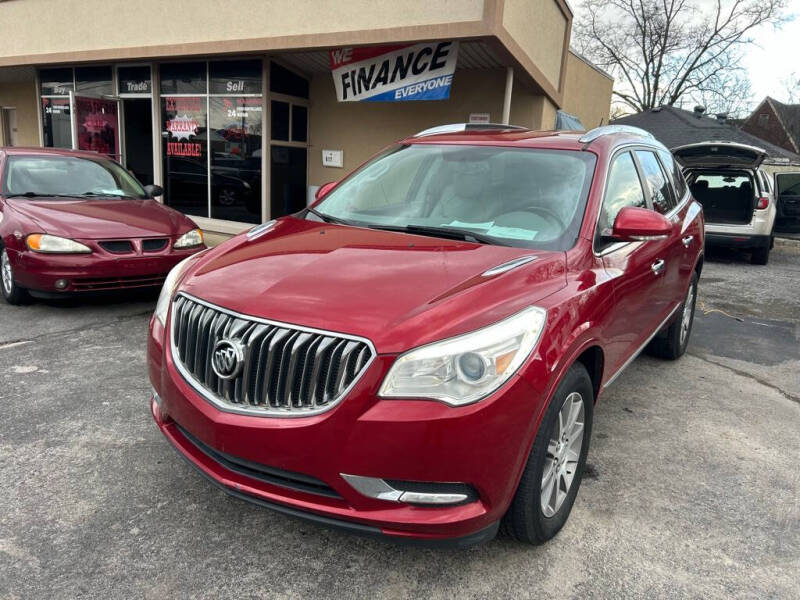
(42,242)
(464,369)
(190,239)
(169,287)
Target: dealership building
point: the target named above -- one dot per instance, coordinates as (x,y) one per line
(240,111)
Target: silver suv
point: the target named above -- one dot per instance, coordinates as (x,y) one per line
(737,197)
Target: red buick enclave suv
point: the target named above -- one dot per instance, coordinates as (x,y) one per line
(418,353)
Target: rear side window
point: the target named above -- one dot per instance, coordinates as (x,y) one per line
(766,183)
(674,171)
(660,192)
(622,189)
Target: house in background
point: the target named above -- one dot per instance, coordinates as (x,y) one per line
(777,123)
(675,127)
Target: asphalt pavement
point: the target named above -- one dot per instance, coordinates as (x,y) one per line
(692,487)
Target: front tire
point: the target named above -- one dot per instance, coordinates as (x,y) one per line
(11,291)
(673,341)
(554,470)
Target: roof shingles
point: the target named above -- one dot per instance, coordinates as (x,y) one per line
(676,127)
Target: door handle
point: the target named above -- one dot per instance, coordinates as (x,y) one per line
(658,266)
(687,241)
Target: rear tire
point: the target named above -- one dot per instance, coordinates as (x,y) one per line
(760,256)
(554,469)
(671,343)
(11,291)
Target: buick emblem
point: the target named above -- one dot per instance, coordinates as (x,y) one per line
(227,359)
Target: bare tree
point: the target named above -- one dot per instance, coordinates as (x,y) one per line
(791,86)
(662,51)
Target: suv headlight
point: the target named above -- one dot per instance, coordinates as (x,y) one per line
(464,369)
(169,287)
(190,239)
(42,242)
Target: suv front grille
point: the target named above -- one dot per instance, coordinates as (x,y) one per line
(286,370)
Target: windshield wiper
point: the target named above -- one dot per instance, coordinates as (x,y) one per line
(327,218)
(446,232)
(38,195)
(95,195)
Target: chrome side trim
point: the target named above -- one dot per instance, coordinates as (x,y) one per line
(259,230)
(254,410)
(507,266)
(642,347)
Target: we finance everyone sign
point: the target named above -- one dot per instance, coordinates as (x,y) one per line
(394,73)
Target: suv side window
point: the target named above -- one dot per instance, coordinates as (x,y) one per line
(660,191)
(767,184)
(623,188)
(674,171)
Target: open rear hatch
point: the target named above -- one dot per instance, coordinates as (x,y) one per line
(719,155)
(721,177)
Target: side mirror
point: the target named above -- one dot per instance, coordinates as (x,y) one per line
(153,190)
(324,189)
(634,224)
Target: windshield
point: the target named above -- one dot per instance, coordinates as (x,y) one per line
(68,176)
(518,197)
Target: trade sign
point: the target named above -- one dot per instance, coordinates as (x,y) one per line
(394,73)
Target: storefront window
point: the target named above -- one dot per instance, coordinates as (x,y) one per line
(93,81)
(184,78)
(284,81)
(280,120)
(134,80)
(185,154)
(56,82)
(235,139)
(299,123)
(235,77)
(56,125)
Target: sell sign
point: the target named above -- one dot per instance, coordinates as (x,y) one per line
(394,73)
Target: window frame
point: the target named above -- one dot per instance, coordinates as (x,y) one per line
(612,246)
(671,197)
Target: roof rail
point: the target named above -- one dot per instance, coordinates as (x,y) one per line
(597,132)
(462,127)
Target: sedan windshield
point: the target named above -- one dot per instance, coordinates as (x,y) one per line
(68,176)
(507,196)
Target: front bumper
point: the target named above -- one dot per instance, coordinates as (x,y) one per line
(93,272)
(484,445)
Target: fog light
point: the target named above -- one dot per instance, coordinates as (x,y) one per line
(61,284)
(412,492)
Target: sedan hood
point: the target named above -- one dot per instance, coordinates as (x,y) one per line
(720,154)
(398,290)
(101,218)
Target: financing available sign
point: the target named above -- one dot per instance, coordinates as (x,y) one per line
(394,73)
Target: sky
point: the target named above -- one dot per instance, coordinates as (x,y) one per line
(773,58)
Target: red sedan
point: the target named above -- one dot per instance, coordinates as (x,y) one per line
(78,222)
(419,353)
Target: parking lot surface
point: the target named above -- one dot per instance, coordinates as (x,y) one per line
(692,487)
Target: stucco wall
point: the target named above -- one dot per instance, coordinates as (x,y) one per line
(587,92)
(539,27)
(22,96)
(36,27)
(363,128)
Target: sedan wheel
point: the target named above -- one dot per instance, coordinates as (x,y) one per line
(563,454)
(11,291)
(554,469)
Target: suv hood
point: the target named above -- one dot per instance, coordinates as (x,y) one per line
(101,218)
(396,289)
(720,154)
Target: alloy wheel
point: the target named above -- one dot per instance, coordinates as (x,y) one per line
(688,312)
(7,274)
(563,454)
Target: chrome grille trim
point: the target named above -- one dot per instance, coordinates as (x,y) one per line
(286,369)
